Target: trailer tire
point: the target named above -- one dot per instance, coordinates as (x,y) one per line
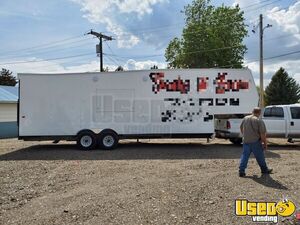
(86,140)
(108,139)
(236,141)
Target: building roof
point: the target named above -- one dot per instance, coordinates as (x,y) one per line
(9,94)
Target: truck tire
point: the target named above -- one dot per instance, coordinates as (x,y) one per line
(108,140)
(86,140)
(236,141)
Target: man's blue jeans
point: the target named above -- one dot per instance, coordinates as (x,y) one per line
(257,149)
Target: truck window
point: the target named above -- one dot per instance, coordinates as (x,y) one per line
(267,112)
(295,111)
(274,112)
(278,112)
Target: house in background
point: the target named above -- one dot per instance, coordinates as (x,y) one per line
(8,111)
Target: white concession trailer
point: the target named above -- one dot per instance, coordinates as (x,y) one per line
(101,108)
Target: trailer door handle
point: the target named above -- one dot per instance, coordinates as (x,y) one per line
(292,123)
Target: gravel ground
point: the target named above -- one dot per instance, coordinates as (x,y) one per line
(152,182)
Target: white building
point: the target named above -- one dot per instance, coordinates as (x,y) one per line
(8,111)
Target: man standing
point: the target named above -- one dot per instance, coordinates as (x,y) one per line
(254,140)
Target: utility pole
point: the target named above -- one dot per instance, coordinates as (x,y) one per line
(261,58)
(99,48)
(261,62)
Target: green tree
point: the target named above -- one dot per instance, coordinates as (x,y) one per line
(7,79)
(212,37)
(282,89)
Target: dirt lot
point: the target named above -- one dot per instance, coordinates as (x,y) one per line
(153,182)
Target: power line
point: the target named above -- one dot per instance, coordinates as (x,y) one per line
(190,32)
(147,56)
(196,32)
(134,57)
(259,7)
(141,30)
(60,49)
(60,42)
(119,61)
(42,46)
(123,37)
(182,23)
(258,3)
(280,37)
(41,52)
(185,53)
(56,64)
(42,60)
(112,61)
(45,44)
(175,26)
(267,58)
(80,55)
(282,55)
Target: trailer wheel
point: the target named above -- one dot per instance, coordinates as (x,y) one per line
(236,141)
(108,139)
(86,140)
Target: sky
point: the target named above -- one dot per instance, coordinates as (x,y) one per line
(39,36)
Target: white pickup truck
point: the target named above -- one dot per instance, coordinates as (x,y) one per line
(282,121)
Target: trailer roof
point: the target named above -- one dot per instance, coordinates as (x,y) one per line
(134,71)
(9,94)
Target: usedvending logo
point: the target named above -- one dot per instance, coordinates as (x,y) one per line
(264,211)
